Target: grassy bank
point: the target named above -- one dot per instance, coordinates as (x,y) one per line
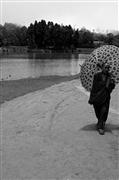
(15,88)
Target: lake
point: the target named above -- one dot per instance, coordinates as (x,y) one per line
(35,65)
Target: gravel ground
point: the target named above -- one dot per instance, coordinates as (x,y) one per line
(50,135)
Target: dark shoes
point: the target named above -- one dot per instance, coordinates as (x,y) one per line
(101,131)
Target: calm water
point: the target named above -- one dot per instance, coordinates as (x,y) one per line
(36,65)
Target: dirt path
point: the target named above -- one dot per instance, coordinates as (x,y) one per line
(51,134)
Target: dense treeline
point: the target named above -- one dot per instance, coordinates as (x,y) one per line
(42,35)
(54,36)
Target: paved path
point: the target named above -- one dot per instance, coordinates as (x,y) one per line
(51,134)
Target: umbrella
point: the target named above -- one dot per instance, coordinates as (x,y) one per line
(106,54)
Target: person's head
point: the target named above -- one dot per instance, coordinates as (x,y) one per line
(99,66)
(105,69)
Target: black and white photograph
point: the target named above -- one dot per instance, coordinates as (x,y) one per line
(59,89)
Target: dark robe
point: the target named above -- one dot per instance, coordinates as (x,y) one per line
(100,97)
(101,89)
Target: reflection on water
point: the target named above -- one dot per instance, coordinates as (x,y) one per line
(36,65)
(52,56)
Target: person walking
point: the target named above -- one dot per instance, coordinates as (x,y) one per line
(100,95)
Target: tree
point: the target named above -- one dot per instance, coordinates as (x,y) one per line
(116,40)
(76,38)
(12,34)
(85,38)
(109,38)
(31,36)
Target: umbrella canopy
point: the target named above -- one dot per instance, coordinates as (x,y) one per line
(108,55)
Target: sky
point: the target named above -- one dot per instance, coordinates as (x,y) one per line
(100,16)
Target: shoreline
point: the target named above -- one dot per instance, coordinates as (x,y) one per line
(15,88)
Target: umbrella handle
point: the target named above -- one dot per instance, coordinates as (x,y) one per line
(80,65)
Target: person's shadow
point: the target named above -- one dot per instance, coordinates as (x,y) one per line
(108,127)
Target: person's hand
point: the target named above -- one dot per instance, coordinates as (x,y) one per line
(112,81)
